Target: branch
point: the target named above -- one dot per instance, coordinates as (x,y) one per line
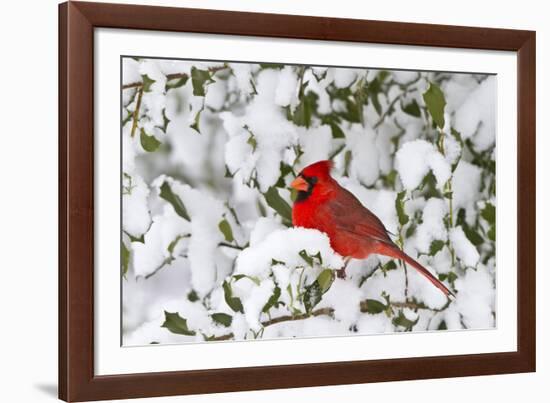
(172,76)
(286,318)
(229,245)
(136,112)
(363,307)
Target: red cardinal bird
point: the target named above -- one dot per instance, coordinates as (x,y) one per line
(354,231)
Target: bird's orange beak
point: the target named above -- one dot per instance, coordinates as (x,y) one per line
(299,184)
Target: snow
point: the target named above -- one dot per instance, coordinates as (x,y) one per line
(135,212)
(475,298)
(285,246)
(151,254)
(415,159)
(272,131)
(476,116)
(364,165)
(433,226)
(344,297)
(255,302)
(344,77)
(205,212)
(466,182)
(287,87)
(464,249)
(263,227)
(215,95)
(316,144)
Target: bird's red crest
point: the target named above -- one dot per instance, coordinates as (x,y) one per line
(319,168)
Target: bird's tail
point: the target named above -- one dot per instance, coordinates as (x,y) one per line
(399,254)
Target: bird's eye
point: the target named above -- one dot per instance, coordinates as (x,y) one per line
(313,180)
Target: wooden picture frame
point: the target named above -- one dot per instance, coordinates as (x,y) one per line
(77,21)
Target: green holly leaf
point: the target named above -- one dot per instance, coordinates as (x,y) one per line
(305,109)
(233,302)
(200,79)
(149,143)
(176,324)
(176,83)
(167,194)
(436,246)
(325,279)
(125,253)
(375,307)
(489,213)
(226,230)
(273,300)
(222,319)
(337,132)
(400,207)
(435,102)
(277,203)
(147,82)
(403,321)
(411,108)
(312,296)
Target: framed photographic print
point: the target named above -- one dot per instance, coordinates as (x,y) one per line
(253,201)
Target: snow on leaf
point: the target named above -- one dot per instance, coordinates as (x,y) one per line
(149,143)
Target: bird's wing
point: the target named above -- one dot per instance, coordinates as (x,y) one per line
(352,217)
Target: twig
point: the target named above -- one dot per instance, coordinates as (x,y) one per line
(363,307)
(229,245)
(172,76)
(136,112)
(286,318)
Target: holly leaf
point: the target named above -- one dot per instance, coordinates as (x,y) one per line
(489,213)
(400,207)
(176,83)
(222,319)
(125,253)
(325,279)
(176,324)
(312,296)
(337,132)
(277,203)
(273,300)
(167,194)
(403,321)
(199,79)
(147,82)
(435,102)
(375,307)
(226,230)
(436,246)
(233,302)
(411,108)
(149,143)
(305,109)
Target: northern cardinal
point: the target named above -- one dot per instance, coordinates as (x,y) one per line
(354,231)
